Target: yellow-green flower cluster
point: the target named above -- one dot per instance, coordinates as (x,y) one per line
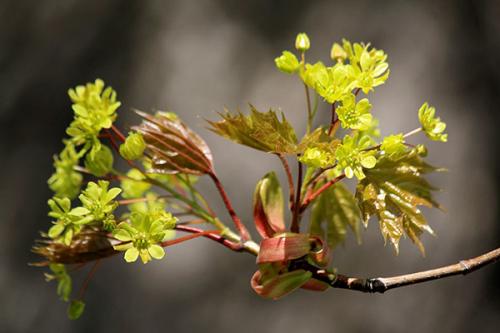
(352,156)
(432,126)
(354,115)
(141,237)
(95,109)
(65,181)
(97,207)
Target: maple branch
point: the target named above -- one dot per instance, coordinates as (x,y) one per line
(382,284)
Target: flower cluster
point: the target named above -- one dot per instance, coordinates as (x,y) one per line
(141,236)
(432,126)
(352,156)
(97,207)
(95,108)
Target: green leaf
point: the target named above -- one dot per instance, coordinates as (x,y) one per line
(259,130)
(333,213)
(174,147)
(76,309)
(268,206)
(392,191)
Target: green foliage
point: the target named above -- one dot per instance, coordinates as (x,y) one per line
(333,213)
(392,192)
(353,158)
(389,177)
(259,130)
(133,147)
(94,108)
(432,126)
(141,236)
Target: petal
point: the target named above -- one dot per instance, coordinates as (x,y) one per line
(131,255)
(156,251)
(56,230)
(122,235)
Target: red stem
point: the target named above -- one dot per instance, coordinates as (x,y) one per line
(334,120)
(242,230)
(118,133)
(314,195)
(291,186)
(296,207)
(87,279)
(215,237)
(188,237)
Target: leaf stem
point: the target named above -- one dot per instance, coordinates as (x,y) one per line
(295,227)
(291,186)
(310,114)
(333,122)
(242,230)
(311,197)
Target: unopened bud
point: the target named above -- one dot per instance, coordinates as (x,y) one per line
(302,42)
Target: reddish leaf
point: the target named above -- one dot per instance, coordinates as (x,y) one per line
(173,146)
(283,247)
(279,285)
(268,206)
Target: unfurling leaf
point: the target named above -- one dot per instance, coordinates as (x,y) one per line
(279,285)
(174,146)
(268,206)
(333,212)
(283,247)
(392,191)
(259,130)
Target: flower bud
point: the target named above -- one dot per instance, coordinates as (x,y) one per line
(302,42)
(287,62)
(133,147)
(99,161)
(338,53)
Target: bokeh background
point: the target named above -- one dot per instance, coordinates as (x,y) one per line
(195,57)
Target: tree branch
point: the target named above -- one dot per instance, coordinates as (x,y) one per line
(382,284)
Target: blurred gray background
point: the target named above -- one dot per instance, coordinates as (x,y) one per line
(195,57)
